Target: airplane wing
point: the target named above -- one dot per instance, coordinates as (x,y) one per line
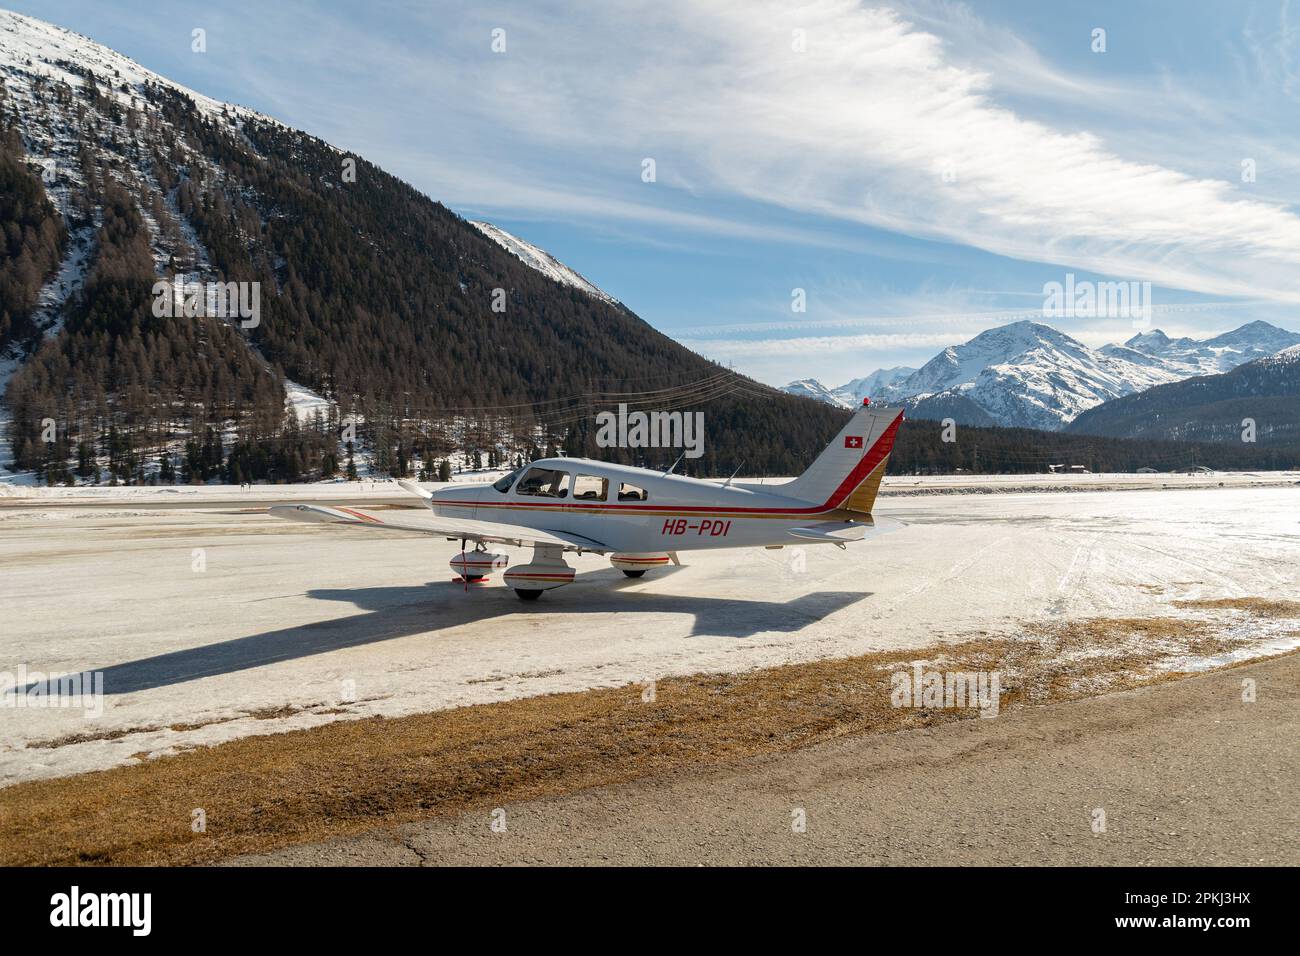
(838,532)
(485,531)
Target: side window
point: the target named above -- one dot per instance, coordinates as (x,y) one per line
(544,483)
(503,483)
(590,488)
(628,492)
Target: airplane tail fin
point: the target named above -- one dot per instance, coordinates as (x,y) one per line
(847,474)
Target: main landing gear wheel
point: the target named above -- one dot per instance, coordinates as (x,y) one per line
(634,574)
(527,594)
(473,578)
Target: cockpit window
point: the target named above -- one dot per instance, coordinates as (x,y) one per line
(590,488)
(628,492)
(503,484)
(544,483)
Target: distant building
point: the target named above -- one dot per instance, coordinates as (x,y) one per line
(1079,470)
(1147,471)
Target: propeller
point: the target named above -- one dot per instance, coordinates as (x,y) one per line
(414,489)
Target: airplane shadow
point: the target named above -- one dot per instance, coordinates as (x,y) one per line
(395,612)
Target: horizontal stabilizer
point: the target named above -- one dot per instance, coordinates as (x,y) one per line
(834,532)
(837,532)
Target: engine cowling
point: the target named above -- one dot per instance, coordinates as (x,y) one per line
(474,565)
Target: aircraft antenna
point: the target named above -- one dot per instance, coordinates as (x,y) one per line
(734,473)
(675,464)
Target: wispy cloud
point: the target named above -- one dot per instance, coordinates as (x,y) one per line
(895,118)
(862,126)
(819,345)
(1275,47)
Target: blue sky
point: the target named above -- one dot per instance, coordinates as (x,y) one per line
(920,169)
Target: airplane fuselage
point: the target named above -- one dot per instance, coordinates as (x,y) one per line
(636,509)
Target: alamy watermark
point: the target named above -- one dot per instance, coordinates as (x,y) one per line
(180,298)
(1098,300)
(33,689)
(624,429)
(130,910)
(936,690)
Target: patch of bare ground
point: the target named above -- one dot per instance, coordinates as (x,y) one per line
(305,786)
(263,713)
(1259,607)
(69,739)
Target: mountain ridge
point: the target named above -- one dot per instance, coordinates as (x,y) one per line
(1029,374)
(541,260)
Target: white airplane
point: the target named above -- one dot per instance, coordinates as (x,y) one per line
(643,518)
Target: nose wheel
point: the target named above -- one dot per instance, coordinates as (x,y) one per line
(528,594)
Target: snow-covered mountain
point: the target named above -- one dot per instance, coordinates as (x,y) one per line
(869,386)
(851,394)
(1025,374)
(541,260)
(1212,356)
(811,388)
(1030,375)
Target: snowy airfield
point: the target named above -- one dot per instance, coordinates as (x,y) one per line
(210,620)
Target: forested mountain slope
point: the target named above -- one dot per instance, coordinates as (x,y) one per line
(1259,400)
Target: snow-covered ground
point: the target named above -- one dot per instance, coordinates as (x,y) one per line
(305,403)
(212,622)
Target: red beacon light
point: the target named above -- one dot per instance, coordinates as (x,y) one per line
(866,402)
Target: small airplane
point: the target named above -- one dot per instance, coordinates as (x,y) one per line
(642,518)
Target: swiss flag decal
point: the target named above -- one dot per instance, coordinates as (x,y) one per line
(852,441)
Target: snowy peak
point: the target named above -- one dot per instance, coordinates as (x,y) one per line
(540,260)
(44,50)
(1256,337)
(1157,343)
(870,386)
(1222,353)
(851,394)
(1006,346)
(811,388)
